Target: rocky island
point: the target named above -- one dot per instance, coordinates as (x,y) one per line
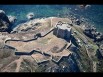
(52,44)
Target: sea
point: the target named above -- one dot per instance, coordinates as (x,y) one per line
(93,14)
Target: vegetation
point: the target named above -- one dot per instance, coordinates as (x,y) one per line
(40,68)
(100,66)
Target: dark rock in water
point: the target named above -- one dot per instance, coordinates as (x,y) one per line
(99,38)
(3,26)
(30,15)
(78,22)
(4,17)
(4,22)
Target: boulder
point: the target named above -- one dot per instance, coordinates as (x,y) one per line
(30,15)
(78,22)
(12,19)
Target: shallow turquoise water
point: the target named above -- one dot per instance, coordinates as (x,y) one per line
(94,13)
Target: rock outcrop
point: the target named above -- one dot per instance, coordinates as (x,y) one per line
(4,21)
(12,19)
(92,33)
(30,25)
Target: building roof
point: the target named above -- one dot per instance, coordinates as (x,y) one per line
(64,26)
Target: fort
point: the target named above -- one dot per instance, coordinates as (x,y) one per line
(44,44)
(47,42)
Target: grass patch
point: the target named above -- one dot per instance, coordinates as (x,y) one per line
(84,62)
(95,47)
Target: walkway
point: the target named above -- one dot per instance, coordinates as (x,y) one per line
(94,66)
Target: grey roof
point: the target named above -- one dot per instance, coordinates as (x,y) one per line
(64,27)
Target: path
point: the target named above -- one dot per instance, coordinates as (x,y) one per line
(94,66)
(18,64)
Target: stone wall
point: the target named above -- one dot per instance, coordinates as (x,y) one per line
(65,34)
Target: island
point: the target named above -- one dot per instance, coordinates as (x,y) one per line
(52,44)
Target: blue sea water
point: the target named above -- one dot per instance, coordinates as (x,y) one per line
(94,14)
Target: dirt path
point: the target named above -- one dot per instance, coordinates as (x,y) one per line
(18,64)
(6,68)
(94,66)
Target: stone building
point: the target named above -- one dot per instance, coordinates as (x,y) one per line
(62,30)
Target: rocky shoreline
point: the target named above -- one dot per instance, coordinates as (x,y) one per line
(92,33)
